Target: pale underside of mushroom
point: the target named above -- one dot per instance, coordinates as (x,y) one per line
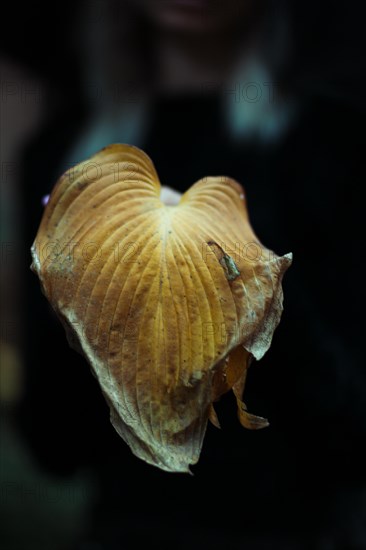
(168,303)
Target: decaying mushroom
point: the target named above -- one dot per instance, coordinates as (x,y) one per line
(168,303)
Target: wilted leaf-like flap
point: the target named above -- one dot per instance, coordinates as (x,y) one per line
(156,296)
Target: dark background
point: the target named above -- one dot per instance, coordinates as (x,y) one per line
(67,479)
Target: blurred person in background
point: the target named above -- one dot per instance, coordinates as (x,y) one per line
(267,94)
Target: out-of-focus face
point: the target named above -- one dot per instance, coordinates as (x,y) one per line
(194,16)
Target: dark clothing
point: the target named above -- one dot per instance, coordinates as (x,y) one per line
(301,481)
